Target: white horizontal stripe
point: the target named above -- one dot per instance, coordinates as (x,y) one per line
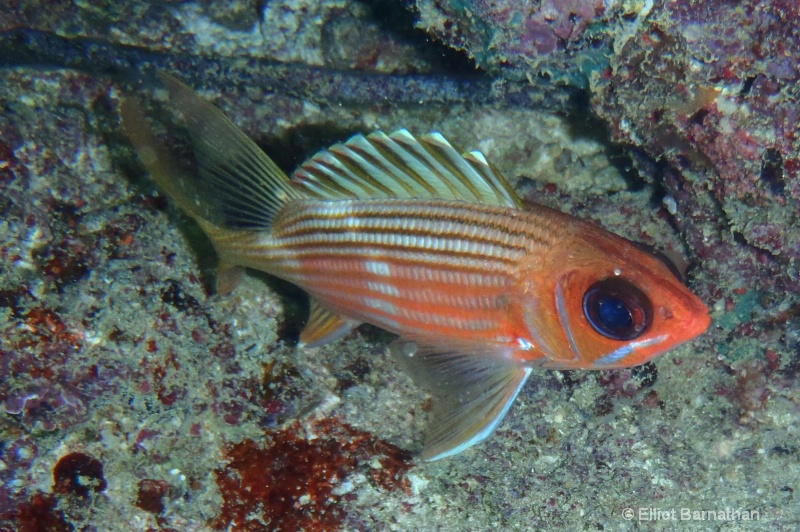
(379,304)
(386,289)
(377,268)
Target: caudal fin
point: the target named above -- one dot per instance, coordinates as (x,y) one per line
(170,176)
(238,186)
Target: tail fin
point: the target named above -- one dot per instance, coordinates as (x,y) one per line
(170,177)
(239,186)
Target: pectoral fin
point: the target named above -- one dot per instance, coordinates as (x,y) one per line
(324,326)
(472,393)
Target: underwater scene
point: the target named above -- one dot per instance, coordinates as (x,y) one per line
(412,265)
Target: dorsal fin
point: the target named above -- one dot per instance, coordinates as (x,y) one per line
(403,166)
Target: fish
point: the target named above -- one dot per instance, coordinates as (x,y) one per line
(410,235)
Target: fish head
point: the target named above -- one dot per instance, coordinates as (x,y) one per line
(608,304)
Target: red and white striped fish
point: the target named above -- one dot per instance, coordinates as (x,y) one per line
(407,234)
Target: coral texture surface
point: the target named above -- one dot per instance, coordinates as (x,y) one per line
(133,397)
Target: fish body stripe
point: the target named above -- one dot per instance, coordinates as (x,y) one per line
(412,267)
(411,219)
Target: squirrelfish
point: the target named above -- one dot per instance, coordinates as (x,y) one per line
(405,233)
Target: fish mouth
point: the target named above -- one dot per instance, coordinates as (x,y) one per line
(698,325)
(608,361)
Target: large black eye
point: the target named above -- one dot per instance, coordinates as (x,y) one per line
(617,309)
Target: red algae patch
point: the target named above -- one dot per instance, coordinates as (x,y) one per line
(291,484)
(78,474)
(36,515)
(151,496)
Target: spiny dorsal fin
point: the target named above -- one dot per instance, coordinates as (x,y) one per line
(403,166)
(245,186)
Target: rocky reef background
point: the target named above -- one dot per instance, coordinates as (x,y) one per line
(133,397)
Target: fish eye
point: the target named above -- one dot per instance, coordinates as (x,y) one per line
(617,309)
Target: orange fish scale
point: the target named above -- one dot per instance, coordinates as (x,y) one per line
(417,268)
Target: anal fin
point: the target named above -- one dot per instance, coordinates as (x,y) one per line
(472,392)
(228,277)
(324,326)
